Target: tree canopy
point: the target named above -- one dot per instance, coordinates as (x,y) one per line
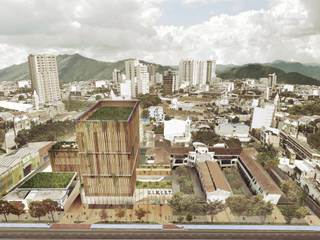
(268,156)
(148,100)
(49,131)
(208,137)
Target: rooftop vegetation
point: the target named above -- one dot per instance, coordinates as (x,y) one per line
(111,113)
(161,184)
(65,145)
(48,180)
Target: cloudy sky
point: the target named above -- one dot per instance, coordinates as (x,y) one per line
(162,31)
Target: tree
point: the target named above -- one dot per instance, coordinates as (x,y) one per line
(21,98)
(37,209)
(268,156)
(235,120)
(140,213)
(302,212)
(5,209)
(213,208)
(233,143)
(189,217)
(289,212)
(237,204)
(17,208)
(208,137)
(50,206)
(180,219)
(290,189)
(158,129)
(145,113)
(22,137)
(104,214)
(177,202)
(167,118)
(120,213)
(149,100)
(98,97)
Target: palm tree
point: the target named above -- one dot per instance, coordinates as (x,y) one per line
(214,207)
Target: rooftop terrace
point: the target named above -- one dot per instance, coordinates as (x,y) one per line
(111,113)
(49,180)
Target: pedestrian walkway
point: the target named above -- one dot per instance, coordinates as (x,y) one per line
(276,216)
(80,213)
(312,220)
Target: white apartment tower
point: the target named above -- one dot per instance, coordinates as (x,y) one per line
(272,80)
(138,74)
(130,67)
(44,77)
(197,73)
(142,79)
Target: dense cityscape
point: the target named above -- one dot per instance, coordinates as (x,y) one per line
(196,145)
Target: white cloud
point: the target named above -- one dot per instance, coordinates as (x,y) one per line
(113,30)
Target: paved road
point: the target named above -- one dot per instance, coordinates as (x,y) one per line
(151,234)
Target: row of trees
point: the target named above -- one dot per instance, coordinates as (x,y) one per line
(48,131)
(140,213)
(191,205)
(296,198)
(37,209)
(249,206)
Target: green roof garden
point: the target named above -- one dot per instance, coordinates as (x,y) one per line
(111,113)
(49,180)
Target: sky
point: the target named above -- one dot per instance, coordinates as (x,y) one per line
(162,31)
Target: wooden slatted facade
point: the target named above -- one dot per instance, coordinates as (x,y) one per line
(109,151)
(65,160)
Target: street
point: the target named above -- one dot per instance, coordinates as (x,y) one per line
(151,234)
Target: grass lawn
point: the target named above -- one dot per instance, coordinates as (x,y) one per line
(111,113)
(48,180)
(235,181)
(183,178)
(161,184)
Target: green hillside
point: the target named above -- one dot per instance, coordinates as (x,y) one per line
(312,71)
(257,71)
(73,68)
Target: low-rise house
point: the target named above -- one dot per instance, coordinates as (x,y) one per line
(270,136)
(177,131)
(238,130)
(156,112)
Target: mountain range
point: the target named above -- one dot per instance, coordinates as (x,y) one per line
(79,68)
(74,68)
(257,71)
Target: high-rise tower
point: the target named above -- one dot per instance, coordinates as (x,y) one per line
(44,77)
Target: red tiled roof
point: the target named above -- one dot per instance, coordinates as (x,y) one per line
(217,176)
(266,184)
(206,179)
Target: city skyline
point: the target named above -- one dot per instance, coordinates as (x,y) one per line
(232,32)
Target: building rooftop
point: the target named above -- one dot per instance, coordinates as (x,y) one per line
(265,182)
(11,159)
(111,113)
(111,110)
(217,176)
(49,180)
